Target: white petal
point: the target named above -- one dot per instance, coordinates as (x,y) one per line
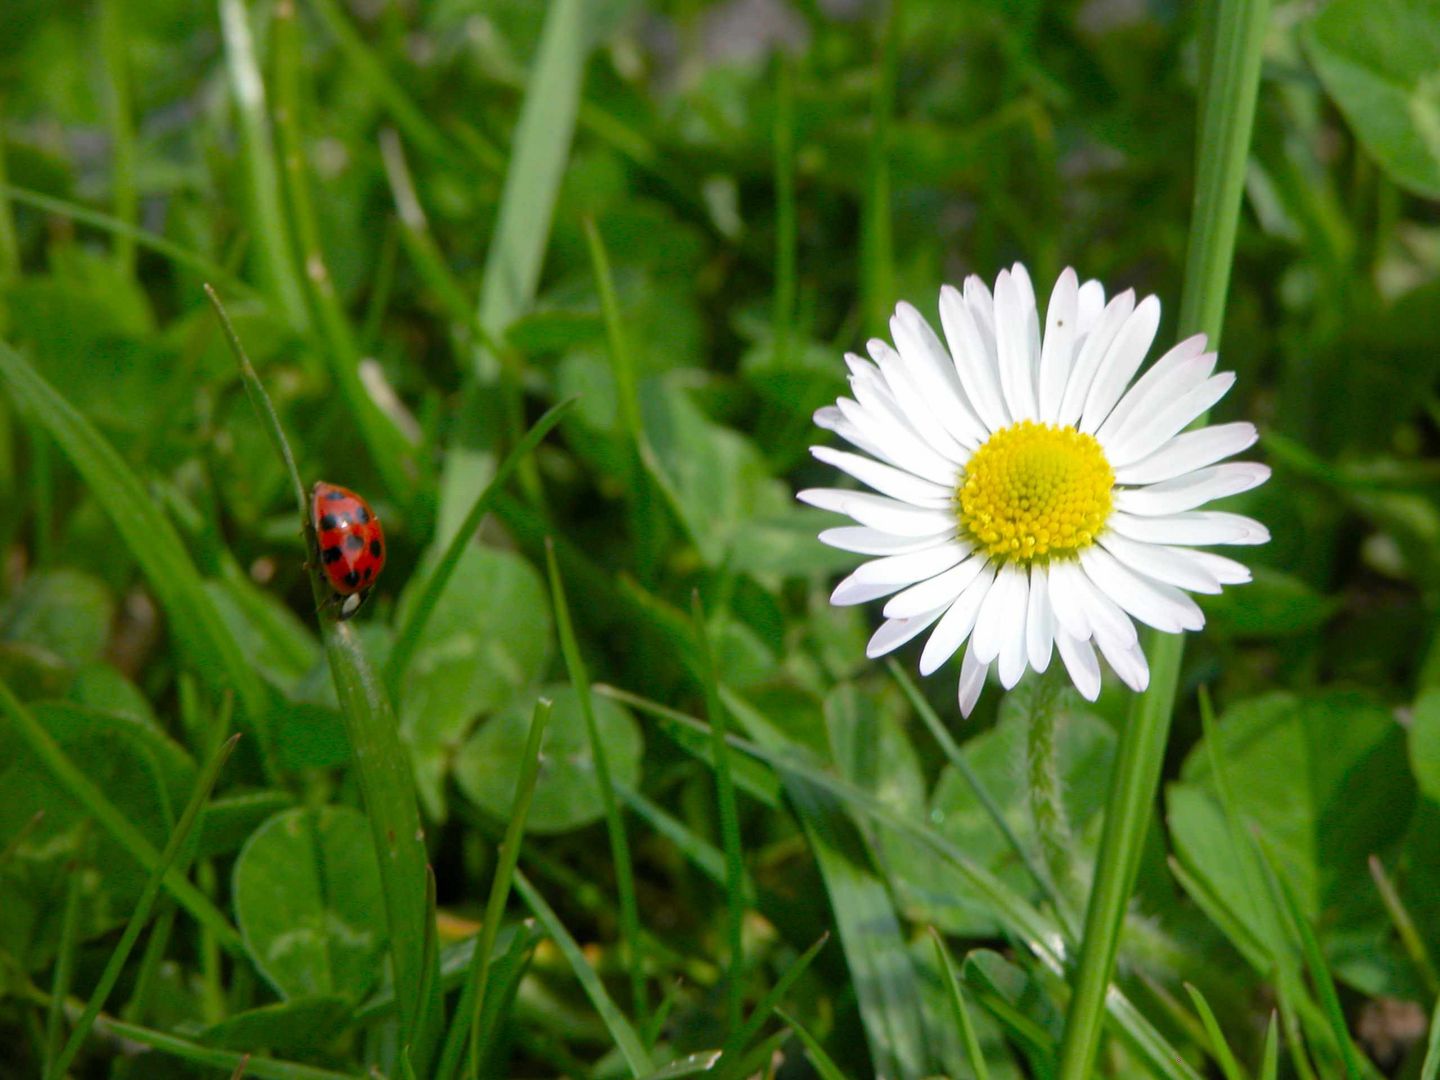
(975,363)
(1174,566)
(1090,304)
(1188,451)
(1110,627)
(1097,344)
(982,306)
(1161,606)
(1186,365)
(831,418)
(1120,363)
(851,592)
(1013,648)
(1195,528)
(1226,571)
(930,365)
(1130,665)
(1080,662)
(896,632)
(886,479)
(1193,489)
(1057,354)
(1012,342)
(918,411)
(972,681)
(1067,599)
(939,591)
(916,566)
(1167,421)
(1039,620)
(1002,616)
(956,624)
(880,512)
(866,541)
(891,440)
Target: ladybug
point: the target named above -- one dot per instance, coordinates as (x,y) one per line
(350,541)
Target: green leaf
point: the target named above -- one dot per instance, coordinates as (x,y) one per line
(63,611)
(567,795)
(1380,61)
(308,901)
(489,636)
(1424,742)
(197,627)
(1274,605)
(296,1026)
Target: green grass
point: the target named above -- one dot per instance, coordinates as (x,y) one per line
(558,287)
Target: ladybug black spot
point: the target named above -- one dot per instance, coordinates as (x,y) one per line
(354,541)
(375,548)
(352,579)
(362,515)
(330,521)
(334,496)
(331,554)
(369,572)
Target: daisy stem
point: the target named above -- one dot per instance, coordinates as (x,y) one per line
(1226,119)
(1047,807)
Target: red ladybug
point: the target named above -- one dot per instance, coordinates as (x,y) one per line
(351,543)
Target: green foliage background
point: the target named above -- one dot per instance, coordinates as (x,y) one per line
(429,222)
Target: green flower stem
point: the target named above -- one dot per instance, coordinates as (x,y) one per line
(1228,114)
(1047,807)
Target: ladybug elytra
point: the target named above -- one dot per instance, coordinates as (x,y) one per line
(350,541)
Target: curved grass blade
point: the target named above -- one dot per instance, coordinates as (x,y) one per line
(1404,924)
(960,1010)
(614,822)
(1430,1067)
(690,1065)
(168,858)
(412,629)
(740,1037)
(822,1061)
(256,1066)
(637,1058)
(1270,1064)
(472,997)
(1219,1048)
(80,788)
(504,982)
(382,766)
(196,625)
(729,818)
(65,954)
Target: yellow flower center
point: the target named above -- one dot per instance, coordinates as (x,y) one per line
(1035,491)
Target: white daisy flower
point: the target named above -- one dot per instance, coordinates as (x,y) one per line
(1029,497)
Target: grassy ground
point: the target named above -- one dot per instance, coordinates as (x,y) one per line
(557,287)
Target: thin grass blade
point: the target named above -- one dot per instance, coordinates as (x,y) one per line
(614,822)
(1405,927)
(1430,1067)
(1219,1048)
(823,1063)
(69,942)
(168,858)
(740,1037)
(960,1012)
(627,1040)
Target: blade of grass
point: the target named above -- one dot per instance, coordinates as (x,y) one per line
(183,257)
(690,1065)
(1410,938)
(195,624)
(637,1058)
(822,1062)
(959,1010)
(392,454)
(13,844)
(376,78)
(505,975)
(256,1066)
(9,243)
(1219,1049)
(267,217)
(707,858)
(1270,1063)
(632,957)
(80,788)
(114,48)
(729,817)
(877,255)
(417,615)
(1227,117)
(472,995)
(381,761)
(1430,1067)
(539,153)
(741,1035)
(168,858)
(69,941)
